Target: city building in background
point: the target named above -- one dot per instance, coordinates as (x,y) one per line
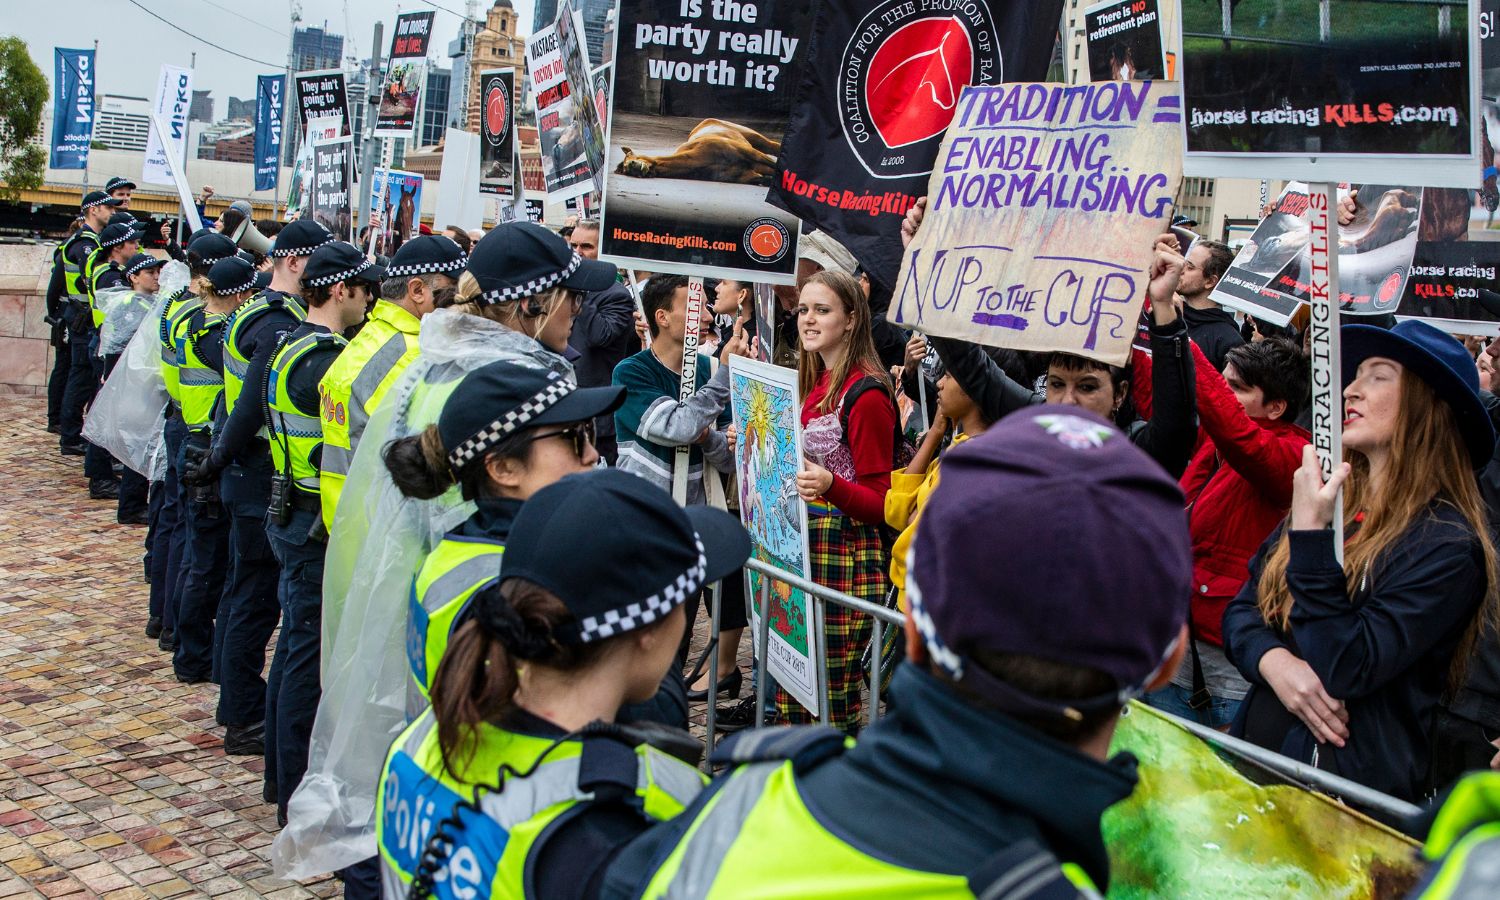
(435,106)
(316,48)
(122,123)
(241,109)
(496,46)
(202,108)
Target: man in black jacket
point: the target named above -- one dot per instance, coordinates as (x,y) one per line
(1212,328)
(603,334)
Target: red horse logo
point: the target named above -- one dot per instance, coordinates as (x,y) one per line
(915,77)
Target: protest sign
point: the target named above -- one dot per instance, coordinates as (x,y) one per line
(767,410)
(701,98)
(497,109)
(174,96)
(458,200)
(322,94)
(406,74)
(575,56)
(1124,41)
(72,108)
(269,92)
(565,165)
(395,207)
(321,129)
(1272,273)
(881,83)
(1043,209)
(1364,91)
(332,185)
(601,79)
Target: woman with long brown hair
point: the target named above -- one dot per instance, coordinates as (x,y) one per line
(1348,662)
(520,780)
(849,434)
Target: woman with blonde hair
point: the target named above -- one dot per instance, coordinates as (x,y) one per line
(850,434)
(1348,662)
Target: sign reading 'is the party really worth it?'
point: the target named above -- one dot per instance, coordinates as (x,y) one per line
(1043,207)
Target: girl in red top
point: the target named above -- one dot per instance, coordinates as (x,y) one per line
(849,433)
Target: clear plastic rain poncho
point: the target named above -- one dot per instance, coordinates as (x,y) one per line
(378,541)
(128,413)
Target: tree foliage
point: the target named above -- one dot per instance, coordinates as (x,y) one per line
(23,94)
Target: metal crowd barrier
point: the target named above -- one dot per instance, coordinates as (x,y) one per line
(1353,793)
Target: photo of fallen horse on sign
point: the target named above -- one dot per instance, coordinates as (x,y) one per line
(699,108)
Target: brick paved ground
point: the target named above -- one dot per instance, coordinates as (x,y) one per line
(113,778)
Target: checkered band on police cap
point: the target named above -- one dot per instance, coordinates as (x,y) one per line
(235,290)
(641,613)
(492,434)
(300,238)
(534,286)
(141,264)
(427,268)
(336,277)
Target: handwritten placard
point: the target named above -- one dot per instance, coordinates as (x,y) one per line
(1041,214)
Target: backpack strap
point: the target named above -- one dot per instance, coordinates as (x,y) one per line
(806,746)
(1028,871)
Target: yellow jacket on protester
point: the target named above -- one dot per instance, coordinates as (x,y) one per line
(903,506)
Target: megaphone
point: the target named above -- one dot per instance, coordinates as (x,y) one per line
(240,228)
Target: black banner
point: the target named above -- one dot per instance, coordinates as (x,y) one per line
(881,85)
(322,94)
(702,92)
(1124,38)
(412,36)
(497,131)
(1386,79)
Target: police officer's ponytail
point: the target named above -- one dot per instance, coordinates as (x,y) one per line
(419,464)
(420,467)
(476,681)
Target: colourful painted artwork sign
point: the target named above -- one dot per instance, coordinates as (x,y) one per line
(766,407)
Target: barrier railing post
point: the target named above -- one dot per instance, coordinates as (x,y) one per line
(877,631)
(762,635)
(823,710)
(715,595)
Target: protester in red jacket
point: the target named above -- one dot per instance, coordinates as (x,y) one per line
(1238,487)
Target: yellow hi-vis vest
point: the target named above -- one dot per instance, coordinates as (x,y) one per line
(294,433)
(73,281)
(755,813)
(524,784)
(452,573)
(179,306)
(199,385)
(235,364)
(1464,842)
(100,264)
(354,386)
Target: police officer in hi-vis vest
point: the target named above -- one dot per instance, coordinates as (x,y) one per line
(519,782)
(198,336)
(67,300)
(338,285)
(994,757)
(422,276)
(240,459)
(105,268)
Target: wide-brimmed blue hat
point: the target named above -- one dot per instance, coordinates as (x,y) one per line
(1438,359)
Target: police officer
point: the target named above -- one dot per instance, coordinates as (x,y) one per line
(338,285)
(103,268)
(120,189)
(198,335)
(518,781)
(172,538)
(1464,842)
(67,300)
(989,775)
(241,459)
(118,245)
(422,276)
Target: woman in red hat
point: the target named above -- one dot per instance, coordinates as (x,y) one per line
(1348,662)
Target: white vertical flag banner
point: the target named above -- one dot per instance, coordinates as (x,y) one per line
(174,95)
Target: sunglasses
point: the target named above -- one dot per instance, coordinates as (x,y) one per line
(579,434)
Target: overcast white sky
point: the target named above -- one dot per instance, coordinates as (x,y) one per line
(133,45)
